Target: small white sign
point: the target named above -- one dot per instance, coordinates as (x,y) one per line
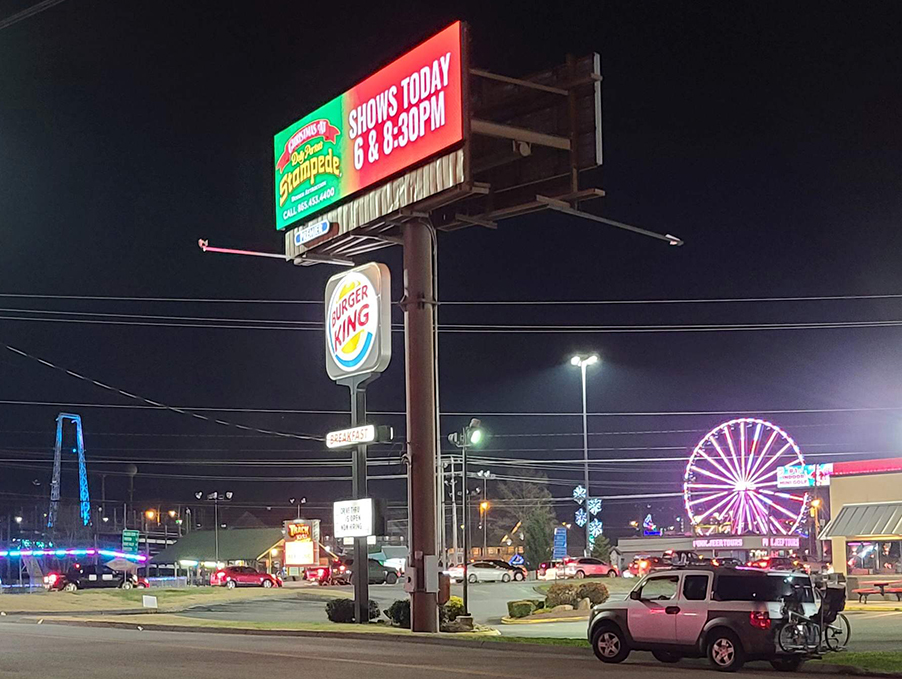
(311,231)
(351,437)
(353,518)
(149,601)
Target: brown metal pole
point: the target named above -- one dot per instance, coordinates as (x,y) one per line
(421,434)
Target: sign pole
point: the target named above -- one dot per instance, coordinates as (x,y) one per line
(419,334)
(357,387)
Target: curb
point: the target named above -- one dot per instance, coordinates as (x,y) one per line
(864,608)
(830,668)
(524,621)
(516,646)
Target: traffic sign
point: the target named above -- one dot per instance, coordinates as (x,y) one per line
(130,541)
(560,543)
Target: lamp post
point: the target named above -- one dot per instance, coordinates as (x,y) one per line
(584,362)
(216,497)
(300,502)
(484,506)
(471,435)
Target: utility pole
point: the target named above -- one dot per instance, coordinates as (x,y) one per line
(419,333)
(454,523)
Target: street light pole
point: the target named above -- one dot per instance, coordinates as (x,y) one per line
(472,434)
(583,363)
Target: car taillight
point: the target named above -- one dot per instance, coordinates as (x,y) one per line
(51,579)
(759,619)
(643,564)
(220,575)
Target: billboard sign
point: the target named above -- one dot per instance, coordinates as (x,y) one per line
(353,518)
(399,116)
(560,543)
(301,542)
(358,322)
(804,475)
(355,436)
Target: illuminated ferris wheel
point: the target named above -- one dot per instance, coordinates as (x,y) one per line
(730,483)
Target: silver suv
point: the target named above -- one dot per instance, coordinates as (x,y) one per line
(729,615)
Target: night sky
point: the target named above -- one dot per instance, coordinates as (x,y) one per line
(765,134)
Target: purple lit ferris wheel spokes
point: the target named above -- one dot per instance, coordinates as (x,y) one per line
(731,479)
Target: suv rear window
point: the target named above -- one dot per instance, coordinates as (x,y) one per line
(760,588)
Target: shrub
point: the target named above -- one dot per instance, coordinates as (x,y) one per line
(596,592)
(560,594)
(563,593)
(399,613)
(452,609)
(520,609)
(342,610)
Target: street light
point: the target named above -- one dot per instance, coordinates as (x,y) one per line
(471,435)
(299,502)
(583,362)
(150,514)
(216,497)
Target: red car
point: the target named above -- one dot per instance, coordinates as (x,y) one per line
(243,576)
(642,565)
(587,567)
(777,563)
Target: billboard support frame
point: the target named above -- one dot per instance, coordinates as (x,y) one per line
(357,387)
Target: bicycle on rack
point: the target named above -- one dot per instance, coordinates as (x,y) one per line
(828,631)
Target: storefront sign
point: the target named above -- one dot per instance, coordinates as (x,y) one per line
(358,322)
(312,232)
(399,116)
(353,518)
(780,542)
(717,543)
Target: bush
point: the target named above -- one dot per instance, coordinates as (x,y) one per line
(596,592)
(342,610)
(399,613)
(570,593)
(560,594)
(520,609)
(452,609)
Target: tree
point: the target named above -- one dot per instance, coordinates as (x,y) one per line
(602,549)
(538,537)
(514,501)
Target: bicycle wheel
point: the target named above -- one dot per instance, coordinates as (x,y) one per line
(788,638)
(838,633)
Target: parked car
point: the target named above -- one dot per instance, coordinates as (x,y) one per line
(642,565)
(726,561)
(518,572)
(89,577)
(726,614)
(548,569)
(379,574)
(777,563)
(480,571)
(588,567)
(243,576)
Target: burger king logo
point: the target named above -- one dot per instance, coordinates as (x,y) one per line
(352,319)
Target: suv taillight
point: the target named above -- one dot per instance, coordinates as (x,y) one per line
(759,619)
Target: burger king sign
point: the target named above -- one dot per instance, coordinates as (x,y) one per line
(358,322)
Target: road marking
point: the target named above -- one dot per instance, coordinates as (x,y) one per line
(871,616)
(298,656)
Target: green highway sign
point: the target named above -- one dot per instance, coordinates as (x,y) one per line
(130,541)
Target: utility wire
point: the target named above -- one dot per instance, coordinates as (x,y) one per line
(28,12)
(157,404)
(717,300)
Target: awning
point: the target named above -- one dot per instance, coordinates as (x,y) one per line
(864,520)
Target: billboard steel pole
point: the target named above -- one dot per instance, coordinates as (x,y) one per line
(421,413)
(358,491)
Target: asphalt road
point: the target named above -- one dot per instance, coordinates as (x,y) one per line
(871,631)
(70,652)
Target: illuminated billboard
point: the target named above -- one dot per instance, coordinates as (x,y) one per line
(399,116)
(804,475)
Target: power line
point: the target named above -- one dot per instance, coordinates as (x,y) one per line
(569,302)
(157,404)
(28,12)
(468,413)
(492,329)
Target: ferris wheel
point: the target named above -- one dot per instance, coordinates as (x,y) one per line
(731,480)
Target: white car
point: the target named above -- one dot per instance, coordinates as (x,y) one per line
(480,571)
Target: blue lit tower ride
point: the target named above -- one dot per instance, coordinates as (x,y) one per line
(84,498)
